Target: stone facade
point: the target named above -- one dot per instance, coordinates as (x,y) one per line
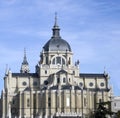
(115,105)
(57,88)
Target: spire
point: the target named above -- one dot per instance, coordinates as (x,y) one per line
(25,65)
(56,28)
(55,25)
(25,58)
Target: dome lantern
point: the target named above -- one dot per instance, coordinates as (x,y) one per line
(56,29)
(56,43)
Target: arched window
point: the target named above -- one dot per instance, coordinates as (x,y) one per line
(53,62)
(58,60)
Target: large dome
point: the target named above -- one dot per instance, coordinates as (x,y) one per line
(56,42)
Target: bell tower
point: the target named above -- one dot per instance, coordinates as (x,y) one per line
(25,65)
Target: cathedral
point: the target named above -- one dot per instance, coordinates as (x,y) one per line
(56,89)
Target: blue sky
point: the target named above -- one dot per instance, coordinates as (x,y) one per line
(92,27)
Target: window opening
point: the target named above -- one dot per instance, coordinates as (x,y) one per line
(58,80)
(28,103)
(85,103)
(45,71)
(64,80)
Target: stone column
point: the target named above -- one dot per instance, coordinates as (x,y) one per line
(72,101)
(24,104)
(9,80)
(58,101)
(64,101)
(40,103)
(20,104)
(37,102)
(88,102)
(46,103)
(3,104)
(5,82)
(31,103)
(7,104)
(9,110)
(76,100)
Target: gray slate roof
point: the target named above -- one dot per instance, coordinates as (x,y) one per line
(92,75)
(24,74)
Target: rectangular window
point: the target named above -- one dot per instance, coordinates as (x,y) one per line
(100,100)
(57,101)
(45,71)
(34,101)
(28,103)
(13,102)
(67,101)
(46,60)
(49,99)
(85,103)
(49,102)
(58,80)
(64,80)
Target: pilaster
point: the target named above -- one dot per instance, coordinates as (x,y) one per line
(20,104)
(3,104)
(31,102)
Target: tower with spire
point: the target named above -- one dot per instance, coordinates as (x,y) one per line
(25,65)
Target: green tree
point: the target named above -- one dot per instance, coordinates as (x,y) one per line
(118,114)
(102,111)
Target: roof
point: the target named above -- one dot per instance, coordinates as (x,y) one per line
(24,74)
(69,87)
(62,71)
(27,89)
(65,87)
(55,44)
(90,75)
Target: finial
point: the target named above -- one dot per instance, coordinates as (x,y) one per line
(24,52)
(104,70)
(55,18)
(25,58)
(6,71)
